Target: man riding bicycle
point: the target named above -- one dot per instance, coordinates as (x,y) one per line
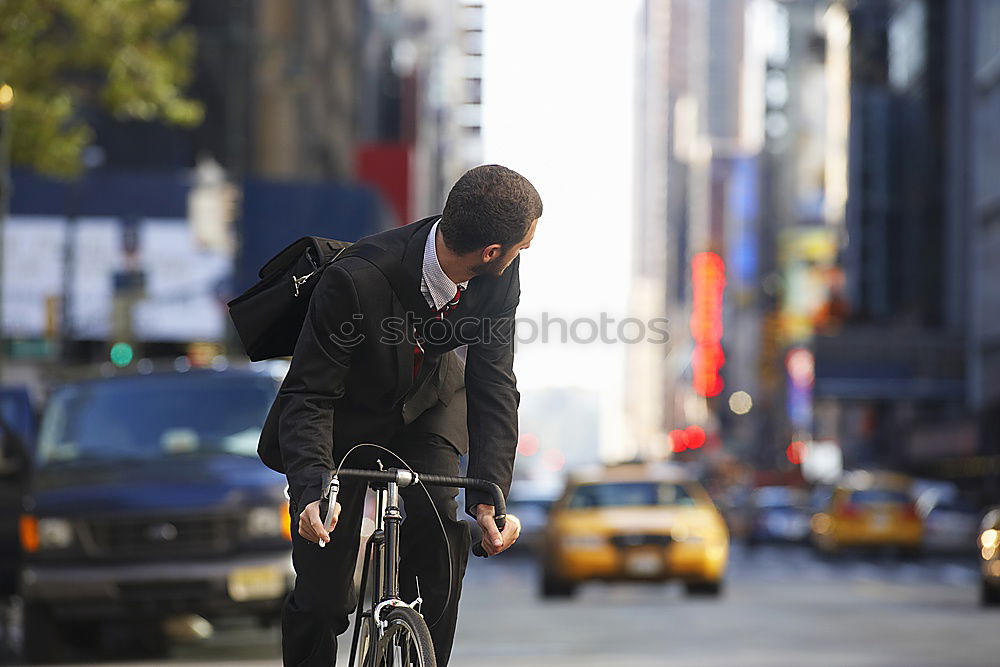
(362,373)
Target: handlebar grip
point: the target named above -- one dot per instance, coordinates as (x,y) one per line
(477,548)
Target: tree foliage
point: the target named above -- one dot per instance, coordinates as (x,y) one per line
(65,57)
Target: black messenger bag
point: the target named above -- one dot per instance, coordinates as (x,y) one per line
(268,317)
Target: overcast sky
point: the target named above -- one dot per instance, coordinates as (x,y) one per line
(558,107)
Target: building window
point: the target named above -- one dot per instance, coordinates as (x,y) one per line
(473,91)
(988,37)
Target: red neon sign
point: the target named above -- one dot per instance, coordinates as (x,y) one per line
(708,280)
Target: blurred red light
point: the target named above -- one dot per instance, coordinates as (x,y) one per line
(678,440)
(708,282)
(527,444)
(850,511)
(695,436)
(795,451)
(554,459)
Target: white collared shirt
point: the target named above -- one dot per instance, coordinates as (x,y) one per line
(435,284)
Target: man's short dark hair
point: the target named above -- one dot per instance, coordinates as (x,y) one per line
(489,204)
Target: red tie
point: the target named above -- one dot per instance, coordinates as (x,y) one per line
(439,314)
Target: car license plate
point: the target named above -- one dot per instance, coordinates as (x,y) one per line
(256,583)
(880,522)
(643,564)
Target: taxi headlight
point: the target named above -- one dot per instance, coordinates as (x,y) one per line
(264,522)
(583,542)
(989,539)
(54,533)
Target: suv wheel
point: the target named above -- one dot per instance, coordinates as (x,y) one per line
(41,642)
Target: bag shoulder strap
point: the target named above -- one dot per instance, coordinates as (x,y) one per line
(394,272)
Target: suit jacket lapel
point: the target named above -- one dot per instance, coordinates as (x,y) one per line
(413,262)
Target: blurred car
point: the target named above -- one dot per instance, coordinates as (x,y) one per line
(17,433)
(778,514)
(634,522)
(868,510)
(530,501)
(989,552)
(147,500)
(14,467)
(951,526)
(734,505)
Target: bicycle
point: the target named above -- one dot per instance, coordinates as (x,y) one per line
(391,632)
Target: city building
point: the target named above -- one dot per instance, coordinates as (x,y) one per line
(910,379)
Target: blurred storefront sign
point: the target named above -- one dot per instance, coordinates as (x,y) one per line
(807,256)
(801,373)
(181,282)
(708,279)
(125,239)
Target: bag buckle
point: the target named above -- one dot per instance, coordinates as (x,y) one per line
(299,281)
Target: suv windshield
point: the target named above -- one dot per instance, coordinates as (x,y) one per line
(155,416)
(629,494)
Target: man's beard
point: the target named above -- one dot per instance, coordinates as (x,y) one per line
(490,268)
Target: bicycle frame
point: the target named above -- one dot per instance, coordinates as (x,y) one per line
(381,554)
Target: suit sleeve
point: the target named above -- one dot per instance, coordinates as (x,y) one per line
(315,380)
(492,398)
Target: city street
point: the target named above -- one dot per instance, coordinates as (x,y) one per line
(781,607)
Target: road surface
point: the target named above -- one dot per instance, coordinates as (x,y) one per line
(781,606)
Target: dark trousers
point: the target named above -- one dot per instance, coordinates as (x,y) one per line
(316,611)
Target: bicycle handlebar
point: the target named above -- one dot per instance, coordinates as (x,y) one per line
(405,478)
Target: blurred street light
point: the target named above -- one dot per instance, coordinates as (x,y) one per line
(6,96)
(740,402)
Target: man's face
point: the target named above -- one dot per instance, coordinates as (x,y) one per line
(497,266)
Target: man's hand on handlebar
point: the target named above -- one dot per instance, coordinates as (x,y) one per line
(311,523)
(495,541)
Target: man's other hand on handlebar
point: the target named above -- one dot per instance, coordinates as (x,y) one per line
(311,523)
(495,541)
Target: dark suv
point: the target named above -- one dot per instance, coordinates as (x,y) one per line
(147,500)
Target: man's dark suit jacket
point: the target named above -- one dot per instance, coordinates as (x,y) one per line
(351,375)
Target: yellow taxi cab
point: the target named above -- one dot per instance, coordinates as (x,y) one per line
(869,509)
(644,522)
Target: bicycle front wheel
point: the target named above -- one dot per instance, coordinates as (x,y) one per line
(406,641)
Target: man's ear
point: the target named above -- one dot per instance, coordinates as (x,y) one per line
(491,252)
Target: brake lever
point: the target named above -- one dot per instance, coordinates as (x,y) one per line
(332,495)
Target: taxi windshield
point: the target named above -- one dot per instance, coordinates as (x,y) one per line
(629,494)
(879,497)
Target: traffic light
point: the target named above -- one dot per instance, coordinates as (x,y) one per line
(122,354)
